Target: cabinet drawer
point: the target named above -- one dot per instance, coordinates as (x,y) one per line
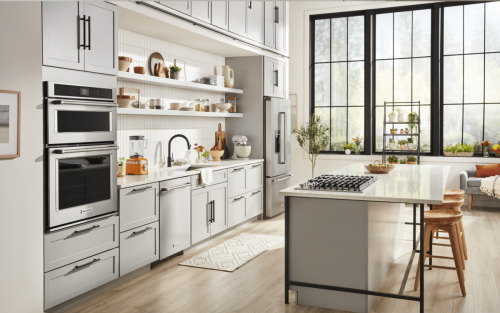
(79,242)
(219,176)
(254,203)
(74,279)
(255,179)
(139,247)
(236,181)
(236,210)
(139,206)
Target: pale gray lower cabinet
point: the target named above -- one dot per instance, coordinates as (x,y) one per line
(79,277)
(255,20)
(219,14)
(219,176)
(175,216)
(181,6)
(139,247)
(244,207)
(274,78)
(201,10)
(255,177)
(237,180)
(238,17)
(208,211)
(254,203)
(72,244)
(139,205)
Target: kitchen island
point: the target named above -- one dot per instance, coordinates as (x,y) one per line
(339,245)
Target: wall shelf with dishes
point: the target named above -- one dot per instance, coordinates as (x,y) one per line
(123,111)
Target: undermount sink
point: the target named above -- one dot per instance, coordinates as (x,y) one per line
(185,168)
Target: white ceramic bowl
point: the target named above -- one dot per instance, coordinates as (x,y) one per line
(223,107)
(175,106)
(243,151)
(125,101)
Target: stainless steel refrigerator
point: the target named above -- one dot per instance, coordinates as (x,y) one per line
(277,134)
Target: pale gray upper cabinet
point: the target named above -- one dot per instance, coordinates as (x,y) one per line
(269,21)
(181,6)
(220,14)
(81,36)
(279,85)
(274,78)
(269,77)
(101,55)
(274,24)
(63,34)
(255,20)
(201,10)
(279,33)
(238,17)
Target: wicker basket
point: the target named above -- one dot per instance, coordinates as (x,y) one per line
(379,168)
(458,154)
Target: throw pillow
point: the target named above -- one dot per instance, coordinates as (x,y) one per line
(487,170)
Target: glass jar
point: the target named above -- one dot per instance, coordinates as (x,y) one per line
(232,100)
(206,105)
(486,152)
(197,105)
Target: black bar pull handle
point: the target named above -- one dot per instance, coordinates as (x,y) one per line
(86,264)
(76,232)
(213,211)
(276,78)
(276,15)
(250,5)
(84,33)
(88,20)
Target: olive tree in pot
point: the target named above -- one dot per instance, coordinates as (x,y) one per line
(313,137)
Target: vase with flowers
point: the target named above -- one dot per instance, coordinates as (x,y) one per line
(357,144)
(199,149)
(496,149)
(486,148)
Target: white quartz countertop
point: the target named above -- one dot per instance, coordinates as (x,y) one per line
(173,172)
(404,184)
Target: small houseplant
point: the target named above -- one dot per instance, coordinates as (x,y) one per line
(175,70)
(466,150)
(392,116)
(313,137)
(410,143)
(120,167)
(357,144)
(406,130)
(394,130)
(486,148)
(348,147)
(402,161)
(402,144)
(411,159)
(392,143)
(392,159)
(413,120)
(199,149)
(401,117)
(205,155)
(496,149)
(402,131)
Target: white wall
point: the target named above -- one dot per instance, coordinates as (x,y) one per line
(299,80)
(21,196)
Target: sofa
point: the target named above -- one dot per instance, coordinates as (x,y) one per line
(471,185)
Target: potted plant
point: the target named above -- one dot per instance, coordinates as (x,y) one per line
(357,145)
(413,120)
(120,167)
(394,130)
(402,161)
(402,144)
(410,143)
(392,159)
(496,149)
(348,148)
(175,70)
(401,131)
(313,137)
(406,130)
(486,148)
(199,149)
(460,150)
(392,144)
(401,117)
(392,116)
(205,155)
(411,159)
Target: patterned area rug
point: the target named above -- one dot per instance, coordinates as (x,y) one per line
(234,253)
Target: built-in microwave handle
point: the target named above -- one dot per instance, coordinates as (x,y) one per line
(281,179)
(85,150)
(176,187)
(78,102)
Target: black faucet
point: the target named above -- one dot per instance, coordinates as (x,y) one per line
(170,158)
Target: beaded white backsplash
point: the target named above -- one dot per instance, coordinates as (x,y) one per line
(159,129)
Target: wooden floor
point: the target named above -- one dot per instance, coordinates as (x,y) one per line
(259,285)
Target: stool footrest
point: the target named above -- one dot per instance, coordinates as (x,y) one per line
(437,237)
(441,267)
(439,257)
(441,244)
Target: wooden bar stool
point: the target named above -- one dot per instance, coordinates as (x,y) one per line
(446,220)
(454,194)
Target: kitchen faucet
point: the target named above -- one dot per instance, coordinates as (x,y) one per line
(171,158)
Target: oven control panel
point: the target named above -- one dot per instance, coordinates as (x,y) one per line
(61,90)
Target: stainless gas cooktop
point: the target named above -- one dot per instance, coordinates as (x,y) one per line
(339,183)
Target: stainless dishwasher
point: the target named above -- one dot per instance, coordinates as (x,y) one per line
(175,216)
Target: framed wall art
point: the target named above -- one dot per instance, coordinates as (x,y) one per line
(10,124)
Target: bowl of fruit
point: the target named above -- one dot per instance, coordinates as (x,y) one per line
(379,168)
(216,154)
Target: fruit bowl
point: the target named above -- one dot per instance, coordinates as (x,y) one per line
(379,168)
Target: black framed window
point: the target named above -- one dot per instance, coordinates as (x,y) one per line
(471,73)
(339,74)
(403,69)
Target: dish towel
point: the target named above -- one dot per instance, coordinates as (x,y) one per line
(491,186)
(206,176)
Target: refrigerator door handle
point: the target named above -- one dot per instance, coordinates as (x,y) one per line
(282,143)
(281,179)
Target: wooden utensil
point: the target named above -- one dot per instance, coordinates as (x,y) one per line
(222,135)
(218,139)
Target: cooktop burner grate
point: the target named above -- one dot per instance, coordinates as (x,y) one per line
(340,183)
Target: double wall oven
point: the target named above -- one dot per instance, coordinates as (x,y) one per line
(80,154)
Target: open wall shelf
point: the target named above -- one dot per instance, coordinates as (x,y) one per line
(122,111)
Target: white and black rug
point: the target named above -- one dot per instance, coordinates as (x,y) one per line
(233,253)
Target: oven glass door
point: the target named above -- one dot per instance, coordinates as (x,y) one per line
(82,121)
(84,180)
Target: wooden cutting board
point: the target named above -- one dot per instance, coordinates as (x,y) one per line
(220,138)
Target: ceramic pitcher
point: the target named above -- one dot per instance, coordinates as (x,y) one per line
(228,76)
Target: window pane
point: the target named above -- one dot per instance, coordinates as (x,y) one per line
(339,84)
(324,113)
(421,33)
(492,77)
(492,27)
(453,79)
(322,85)
(453,30)
(452,124)
(402,34)
(384,33)
(383,82)
(379,126)
(491,124)
(356,123)
(402,80)
(473,123)
(474,28)
(473,78)
(339,40)
(322,40)
(422,80)
(356,79)
(338,125)
(356,38)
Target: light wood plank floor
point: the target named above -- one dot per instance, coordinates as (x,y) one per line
(258,285)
